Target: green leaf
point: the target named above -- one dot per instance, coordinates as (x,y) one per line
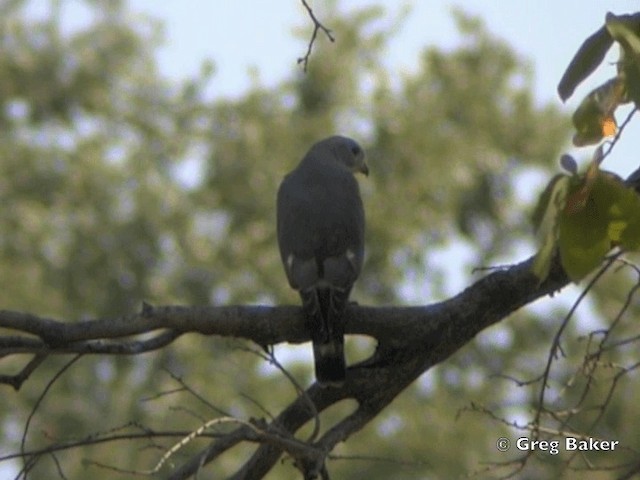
(625,29)
(631,75)
(545,220)
(586,60)
(550,202)
(542,262)
(583,240)
(594,116)
(623,207)
(580,258)
(610,216)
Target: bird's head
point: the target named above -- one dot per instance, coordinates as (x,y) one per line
(346,151)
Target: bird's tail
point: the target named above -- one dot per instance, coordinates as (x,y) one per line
(329,363)
(323,311)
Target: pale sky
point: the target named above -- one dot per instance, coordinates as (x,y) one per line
(238,35)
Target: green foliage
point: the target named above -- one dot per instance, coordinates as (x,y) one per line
(625,29)
(586,60)
(585,216)
(545,220)
(594,118)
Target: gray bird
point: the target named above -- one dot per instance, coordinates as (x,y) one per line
(321,239)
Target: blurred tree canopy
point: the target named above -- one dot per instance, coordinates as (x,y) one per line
(119,186)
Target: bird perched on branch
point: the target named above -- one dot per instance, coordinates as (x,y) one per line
(320,221)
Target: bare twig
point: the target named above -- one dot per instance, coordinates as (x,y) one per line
(317,25)
(28,465)
(555,345)
(16,381)
(612,143)
(271,358)
(198,432)
(198,396)
(97,439)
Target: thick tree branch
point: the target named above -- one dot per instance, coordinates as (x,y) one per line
(410,341)
(487,301)
(433,334)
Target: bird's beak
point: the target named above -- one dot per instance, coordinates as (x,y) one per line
(364,169)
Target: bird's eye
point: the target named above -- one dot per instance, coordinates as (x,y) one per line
(355,149)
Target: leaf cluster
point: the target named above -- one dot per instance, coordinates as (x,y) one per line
(594,118)
(582,216)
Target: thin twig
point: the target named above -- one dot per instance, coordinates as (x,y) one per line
(94,439)
(271,358)
(317,25)
(197,433)
(17,380)
(556,339)
(197,395)
(29,464)
(612,143)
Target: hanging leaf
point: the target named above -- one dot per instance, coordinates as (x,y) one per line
(551,201)
(594,118)
(545,221)
(609,217)
(625,29)
(583,243)
(577,199)
(624,212)
(586,60)
(585,216)
(583,237)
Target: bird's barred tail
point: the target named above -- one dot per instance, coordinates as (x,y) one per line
(323,310)
(329,362)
